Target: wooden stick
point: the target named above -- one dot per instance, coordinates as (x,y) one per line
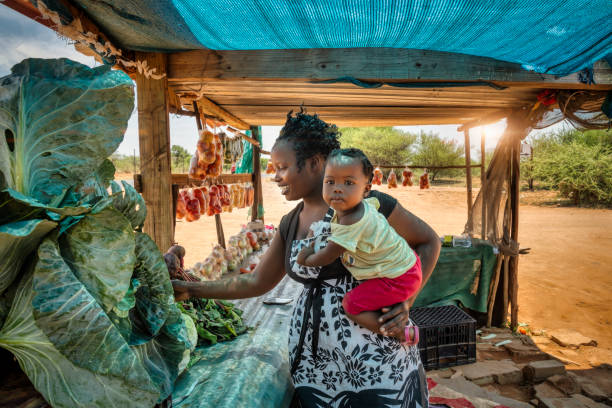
(468,176)
(220,235)
(483,182)
(493,289)
(505,291)
(258,201)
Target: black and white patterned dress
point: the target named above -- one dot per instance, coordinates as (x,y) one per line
(335,362)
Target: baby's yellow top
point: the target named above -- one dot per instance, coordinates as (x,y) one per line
(373,248)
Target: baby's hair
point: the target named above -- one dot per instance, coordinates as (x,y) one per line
(357,154)
(308,136)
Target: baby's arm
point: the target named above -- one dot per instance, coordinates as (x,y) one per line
(325,256)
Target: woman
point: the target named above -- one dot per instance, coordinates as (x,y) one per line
(334,362)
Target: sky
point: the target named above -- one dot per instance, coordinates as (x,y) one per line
(24,38)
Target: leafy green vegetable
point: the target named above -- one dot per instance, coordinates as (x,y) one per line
(96,185)
(130,203)
(17,241)
(62,383)
(215,320)
(100,252)
(66,118)
(15,206)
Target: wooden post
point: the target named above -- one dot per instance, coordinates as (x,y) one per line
(493,289)
(483,186)
(468,175)
(154,141)
(256,214)
(218,223)
(514,205)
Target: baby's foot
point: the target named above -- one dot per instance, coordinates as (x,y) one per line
(411,335)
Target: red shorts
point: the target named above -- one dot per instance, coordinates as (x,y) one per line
(374,294)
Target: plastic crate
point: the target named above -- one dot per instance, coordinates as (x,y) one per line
(447,336)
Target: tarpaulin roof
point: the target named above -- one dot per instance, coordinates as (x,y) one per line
(552,36)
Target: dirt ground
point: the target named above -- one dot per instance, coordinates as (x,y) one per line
(565,281)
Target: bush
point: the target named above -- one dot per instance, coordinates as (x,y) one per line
(581,172)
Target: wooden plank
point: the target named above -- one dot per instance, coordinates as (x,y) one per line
(362,115)
(258,201)
(366,64)
(208,107)
(184,181)
(485,120)
(421,166)
(154,141)
(493,289)
(468,175)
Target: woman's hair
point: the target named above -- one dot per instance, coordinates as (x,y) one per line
(308,136)
(355,154)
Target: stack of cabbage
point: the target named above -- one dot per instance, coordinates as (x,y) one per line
(86,305)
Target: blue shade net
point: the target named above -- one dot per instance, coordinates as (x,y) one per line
(553,36)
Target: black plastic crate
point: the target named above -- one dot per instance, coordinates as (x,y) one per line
(447,336)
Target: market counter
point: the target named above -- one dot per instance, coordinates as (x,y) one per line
(249,370)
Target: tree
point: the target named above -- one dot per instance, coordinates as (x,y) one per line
(382,145)
(180,158)
(432,150)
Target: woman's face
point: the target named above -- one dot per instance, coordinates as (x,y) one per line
(295,183)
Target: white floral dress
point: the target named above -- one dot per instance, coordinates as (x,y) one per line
(335,362)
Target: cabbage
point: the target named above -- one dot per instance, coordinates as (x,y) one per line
(86,304)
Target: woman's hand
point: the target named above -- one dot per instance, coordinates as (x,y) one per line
(181,290)
(305,253)
(395,319)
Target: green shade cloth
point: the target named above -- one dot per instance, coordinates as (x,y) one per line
(461,275)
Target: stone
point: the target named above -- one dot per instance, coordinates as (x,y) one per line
(564,383)
(571,338)
(486,372)
(469,389)
(522,353)
(546,390)
(540,340)
(537,371)
(443,373)
(488,351)
(560,403)
(589,388)
(587,402)
(534,402)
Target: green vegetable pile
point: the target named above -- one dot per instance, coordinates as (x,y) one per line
(215,320)
(86,304)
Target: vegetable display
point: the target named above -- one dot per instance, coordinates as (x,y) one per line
(392,179)
(406,177)
(208,157)
(378,176)
(424,181)
(87,306)
(215,320)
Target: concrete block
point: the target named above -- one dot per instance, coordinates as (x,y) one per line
(587,402)
(564,383)
(486,372)
(537,371)
(571,338)
(523,353)
(546,390)
(560,403)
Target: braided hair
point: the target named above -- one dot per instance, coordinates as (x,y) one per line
(308,136)
(357,154)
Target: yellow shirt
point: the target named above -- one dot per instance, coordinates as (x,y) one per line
(373,248)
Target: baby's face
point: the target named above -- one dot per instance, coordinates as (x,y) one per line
(344,183)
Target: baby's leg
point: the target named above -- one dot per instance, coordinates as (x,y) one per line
(363,304)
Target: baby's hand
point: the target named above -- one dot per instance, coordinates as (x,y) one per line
(305,253)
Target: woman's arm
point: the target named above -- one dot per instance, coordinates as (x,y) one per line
(426,243)
(267,274)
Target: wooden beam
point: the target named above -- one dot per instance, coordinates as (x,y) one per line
(256,214)
(515,187)
(421,166)
(384,64)
(208,107)
(154,141)
(483,187)
(492,117)
(468,174)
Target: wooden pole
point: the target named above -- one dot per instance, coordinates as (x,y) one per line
(493,289)
(218,223)
(256,213)
(483,186)
(154,141)
(468,176)
(514,205)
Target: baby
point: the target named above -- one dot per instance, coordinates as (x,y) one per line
(369,247)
